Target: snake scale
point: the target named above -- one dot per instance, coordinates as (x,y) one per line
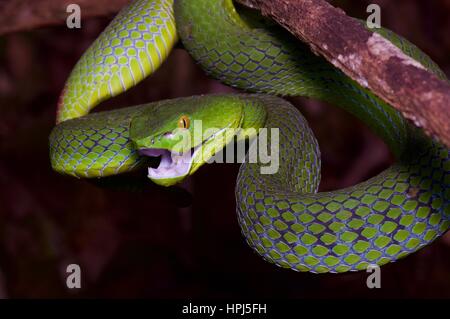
(282,216)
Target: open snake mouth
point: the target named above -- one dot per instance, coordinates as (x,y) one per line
(171,164)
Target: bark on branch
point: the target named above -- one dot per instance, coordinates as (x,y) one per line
(368,58)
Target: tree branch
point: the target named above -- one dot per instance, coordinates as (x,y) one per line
(20,15)
(368,58)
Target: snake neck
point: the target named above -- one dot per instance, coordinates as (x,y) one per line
(287,151)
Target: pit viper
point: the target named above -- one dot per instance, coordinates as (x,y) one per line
(282,216)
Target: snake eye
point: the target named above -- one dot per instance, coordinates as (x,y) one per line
(184,122)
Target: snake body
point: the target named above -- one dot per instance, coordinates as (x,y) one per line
(282,216)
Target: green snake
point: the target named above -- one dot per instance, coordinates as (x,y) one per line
(282,216)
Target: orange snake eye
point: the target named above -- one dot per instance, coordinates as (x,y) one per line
(184,122)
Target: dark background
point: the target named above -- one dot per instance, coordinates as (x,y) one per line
(182,242)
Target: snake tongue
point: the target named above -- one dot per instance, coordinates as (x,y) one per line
(171,165)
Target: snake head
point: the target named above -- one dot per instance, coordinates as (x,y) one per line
(185,134)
